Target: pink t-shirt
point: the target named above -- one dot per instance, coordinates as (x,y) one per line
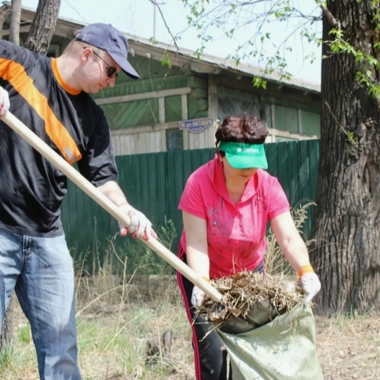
(235,233)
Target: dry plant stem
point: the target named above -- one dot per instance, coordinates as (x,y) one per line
(243,290)
(97,299)
(122,300)
(275,262)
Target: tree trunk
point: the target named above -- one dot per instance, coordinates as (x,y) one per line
(14,27)
(347,228)
(43,26)
(6,337)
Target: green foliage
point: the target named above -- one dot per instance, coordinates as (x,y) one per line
(6,358)
(351,138)
(167,234)
(369,63)
(233,16)
(25,334)
(259,82)
(143,260)
(166,61)
(153,41)
(135,253)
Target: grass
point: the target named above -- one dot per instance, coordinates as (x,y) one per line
(113,336)
(121,316)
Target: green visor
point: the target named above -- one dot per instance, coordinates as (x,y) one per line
(244,156)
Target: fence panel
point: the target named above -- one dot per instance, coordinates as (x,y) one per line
(180,165)
(154,183)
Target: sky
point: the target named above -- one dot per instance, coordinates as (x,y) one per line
(142,19)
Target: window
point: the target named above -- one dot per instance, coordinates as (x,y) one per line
(310,124)
(286,119)
(174,139)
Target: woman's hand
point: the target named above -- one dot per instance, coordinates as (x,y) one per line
(197,297)
(311,285)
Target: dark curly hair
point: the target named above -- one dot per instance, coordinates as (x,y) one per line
(244,128)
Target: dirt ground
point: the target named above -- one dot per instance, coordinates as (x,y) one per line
(349,348)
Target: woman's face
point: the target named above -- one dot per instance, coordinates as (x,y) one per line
(236,175)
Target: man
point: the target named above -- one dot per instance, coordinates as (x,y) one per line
(51,96)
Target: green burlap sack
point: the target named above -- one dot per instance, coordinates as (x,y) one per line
(284,349)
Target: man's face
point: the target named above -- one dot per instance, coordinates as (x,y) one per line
(99,70)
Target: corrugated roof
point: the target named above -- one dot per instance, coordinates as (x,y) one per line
(226,64)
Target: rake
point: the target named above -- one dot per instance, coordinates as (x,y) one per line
(31,138)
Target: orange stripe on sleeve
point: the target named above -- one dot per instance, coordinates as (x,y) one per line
(15,74)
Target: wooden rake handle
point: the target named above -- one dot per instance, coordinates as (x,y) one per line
(31,138)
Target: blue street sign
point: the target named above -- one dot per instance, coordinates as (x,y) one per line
(196,125)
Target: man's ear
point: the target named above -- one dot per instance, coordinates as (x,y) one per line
(87,51)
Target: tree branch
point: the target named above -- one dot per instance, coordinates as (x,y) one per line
(330,18)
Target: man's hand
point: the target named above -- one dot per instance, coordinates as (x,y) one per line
(311,285)
(197,297)
(4,102)
(140,226)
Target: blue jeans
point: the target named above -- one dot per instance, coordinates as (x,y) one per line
(40,270)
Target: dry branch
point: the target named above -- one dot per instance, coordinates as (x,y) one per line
(256,298)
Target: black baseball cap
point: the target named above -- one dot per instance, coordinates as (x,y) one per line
(108,38)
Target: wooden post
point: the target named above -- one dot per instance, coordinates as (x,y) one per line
(185,117)
(213,107)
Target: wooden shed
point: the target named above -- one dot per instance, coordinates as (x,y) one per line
(179,97)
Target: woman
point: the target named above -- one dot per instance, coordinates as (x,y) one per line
(226,205)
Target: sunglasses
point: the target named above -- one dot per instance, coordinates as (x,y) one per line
(110,71)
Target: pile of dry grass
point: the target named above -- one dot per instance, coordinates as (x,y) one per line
(251,296)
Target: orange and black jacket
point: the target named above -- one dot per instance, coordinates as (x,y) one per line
(70,122)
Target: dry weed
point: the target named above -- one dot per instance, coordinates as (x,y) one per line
(110,335)
(275,262)
(246,294)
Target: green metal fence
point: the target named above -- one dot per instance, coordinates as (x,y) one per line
(154,183)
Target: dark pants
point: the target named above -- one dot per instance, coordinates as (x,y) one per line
(210,355)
